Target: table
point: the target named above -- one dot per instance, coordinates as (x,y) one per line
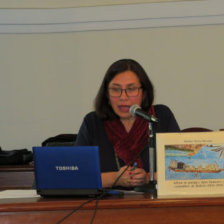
(127,209)
(16,176)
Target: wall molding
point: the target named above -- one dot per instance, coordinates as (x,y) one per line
(134,16)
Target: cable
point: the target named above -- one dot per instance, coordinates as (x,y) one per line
(80,206)
(96,206)
(75,210)
(95,210)
(94,213)
(113,185)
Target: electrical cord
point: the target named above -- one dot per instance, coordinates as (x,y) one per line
(96,206)
(75,210)
(114,184)
(84,203)
(95,211)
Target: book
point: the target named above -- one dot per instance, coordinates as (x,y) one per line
(190,164)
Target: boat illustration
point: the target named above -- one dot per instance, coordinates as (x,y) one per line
(178,166)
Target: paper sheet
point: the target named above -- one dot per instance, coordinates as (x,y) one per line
(18,194)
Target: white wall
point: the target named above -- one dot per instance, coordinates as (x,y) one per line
(6,4)
(48,81)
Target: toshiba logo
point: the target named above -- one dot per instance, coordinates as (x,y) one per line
(65,168)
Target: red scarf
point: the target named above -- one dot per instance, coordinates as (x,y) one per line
(127,145)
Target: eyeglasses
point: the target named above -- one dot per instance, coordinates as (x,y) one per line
(117,92)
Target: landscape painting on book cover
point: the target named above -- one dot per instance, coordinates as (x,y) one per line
(194,161)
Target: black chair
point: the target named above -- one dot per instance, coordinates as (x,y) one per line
(60,140)
(196,129)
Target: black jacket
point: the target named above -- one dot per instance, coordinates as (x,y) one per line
(92,132)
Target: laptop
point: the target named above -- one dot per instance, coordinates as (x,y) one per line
(67,171)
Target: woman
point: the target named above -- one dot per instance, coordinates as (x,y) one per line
(122,138)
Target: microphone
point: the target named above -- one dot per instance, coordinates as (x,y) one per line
(136,110)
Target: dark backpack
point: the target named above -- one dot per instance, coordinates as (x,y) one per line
(15,157)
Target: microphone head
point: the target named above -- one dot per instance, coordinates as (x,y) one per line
(133,108)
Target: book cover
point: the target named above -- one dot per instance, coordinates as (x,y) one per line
(190,164)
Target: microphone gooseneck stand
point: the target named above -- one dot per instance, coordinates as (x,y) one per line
(151,186)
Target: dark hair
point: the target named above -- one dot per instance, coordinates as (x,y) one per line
(102,106)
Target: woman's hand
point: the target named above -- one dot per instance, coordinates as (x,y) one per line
(132,178)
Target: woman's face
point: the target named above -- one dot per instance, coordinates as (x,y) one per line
(120,100)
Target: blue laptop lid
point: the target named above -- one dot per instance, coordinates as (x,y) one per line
(67,167)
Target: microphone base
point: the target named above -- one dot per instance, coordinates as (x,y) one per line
(148,188)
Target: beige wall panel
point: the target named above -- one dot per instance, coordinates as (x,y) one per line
(72,3)
(49,81)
